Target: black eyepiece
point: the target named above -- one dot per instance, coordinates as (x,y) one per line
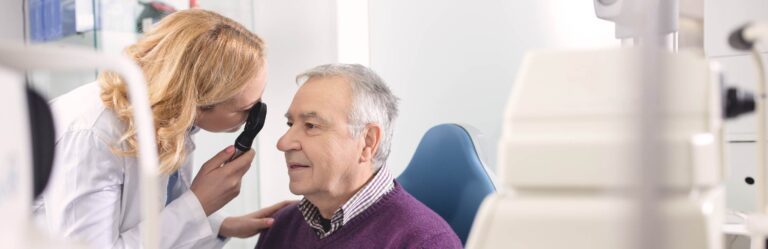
(253,125)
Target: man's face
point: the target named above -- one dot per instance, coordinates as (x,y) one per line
(321,155)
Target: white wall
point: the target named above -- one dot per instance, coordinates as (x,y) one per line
(453,61)
(12,20)
(299,34)
(241,11)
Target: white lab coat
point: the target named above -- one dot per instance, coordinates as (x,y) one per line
(93,194)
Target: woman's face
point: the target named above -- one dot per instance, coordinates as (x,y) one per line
(229,115)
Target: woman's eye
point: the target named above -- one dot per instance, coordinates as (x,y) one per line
(207,107)
(289,124)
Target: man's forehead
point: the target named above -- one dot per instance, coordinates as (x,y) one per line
(320,98)
(331,86)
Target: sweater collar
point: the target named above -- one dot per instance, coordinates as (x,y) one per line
(381,184)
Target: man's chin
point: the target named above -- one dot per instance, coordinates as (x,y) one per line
(296,190)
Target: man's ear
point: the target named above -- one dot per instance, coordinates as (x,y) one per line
(371,138)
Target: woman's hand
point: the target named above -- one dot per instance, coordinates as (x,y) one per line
(251,224)
(218,183)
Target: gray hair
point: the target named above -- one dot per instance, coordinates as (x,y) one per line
(372,102)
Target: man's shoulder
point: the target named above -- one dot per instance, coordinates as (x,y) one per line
(287,218)
(285,224)
(414,210)
(287,213)
(418,223)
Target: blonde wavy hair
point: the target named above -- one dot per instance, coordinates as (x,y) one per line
(191,59)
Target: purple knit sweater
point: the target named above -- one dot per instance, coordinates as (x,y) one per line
(397,220)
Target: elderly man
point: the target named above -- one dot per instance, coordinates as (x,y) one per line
(336,148)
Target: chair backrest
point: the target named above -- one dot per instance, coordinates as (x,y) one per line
(447,175)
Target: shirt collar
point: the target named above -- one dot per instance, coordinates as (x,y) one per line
(381,184)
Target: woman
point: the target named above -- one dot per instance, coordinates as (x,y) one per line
(204,71)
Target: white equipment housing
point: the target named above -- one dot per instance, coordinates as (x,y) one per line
(568,154)
(16,167)
(17,230)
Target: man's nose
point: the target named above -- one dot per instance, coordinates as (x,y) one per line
(287,142)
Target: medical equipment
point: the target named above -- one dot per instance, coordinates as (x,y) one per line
(16,169)
(624,13)
(14,207)
(748,37)
(43,139)
(745,37)
(256,117)
(585,133)
(566,153)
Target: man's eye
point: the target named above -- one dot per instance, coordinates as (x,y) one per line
(289,124)
(309,125)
